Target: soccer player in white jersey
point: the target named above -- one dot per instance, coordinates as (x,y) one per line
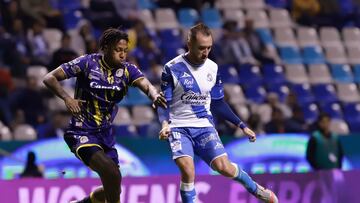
(193,89)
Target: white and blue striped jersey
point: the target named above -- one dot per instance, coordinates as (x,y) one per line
(189,90)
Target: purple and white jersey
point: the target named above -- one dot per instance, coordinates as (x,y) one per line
(101,86)
(189,89)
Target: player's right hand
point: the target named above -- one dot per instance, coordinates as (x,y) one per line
(251,134)
(74,105)
(164,133)
(159,101)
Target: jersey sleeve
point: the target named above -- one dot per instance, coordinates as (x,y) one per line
(75,67)
(217,92)
(167,83)
(134,73)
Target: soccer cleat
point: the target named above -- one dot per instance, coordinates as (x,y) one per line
(265,195)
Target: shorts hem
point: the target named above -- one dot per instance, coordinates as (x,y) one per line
(86,145)
(176,157)
(223,154)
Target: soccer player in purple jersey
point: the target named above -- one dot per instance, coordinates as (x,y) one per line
(102,82)
(193,90)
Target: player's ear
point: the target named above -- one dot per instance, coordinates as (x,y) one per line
(106,48)
(188,44)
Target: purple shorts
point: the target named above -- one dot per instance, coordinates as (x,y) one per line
(77,138)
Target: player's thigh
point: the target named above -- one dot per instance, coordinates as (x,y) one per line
(82,144)
(181,144)
(185,164)
(102,163)
(208,145)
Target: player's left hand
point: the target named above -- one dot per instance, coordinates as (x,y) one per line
(251,134)
(164,133)
(159,101)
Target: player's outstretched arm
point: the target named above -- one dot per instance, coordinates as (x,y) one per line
(220,108)
(51,80)
(157,98)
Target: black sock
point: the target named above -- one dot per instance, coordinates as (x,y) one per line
(86,200)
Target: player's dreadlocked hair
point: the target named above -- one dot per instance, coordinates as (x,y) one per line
(112,36)
(200,27)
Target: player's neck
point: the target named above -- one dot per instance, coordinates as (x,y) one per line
(192,60)
(108,62)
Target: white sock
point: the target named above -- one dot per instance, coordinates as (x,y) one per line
(187,186)
(236,170)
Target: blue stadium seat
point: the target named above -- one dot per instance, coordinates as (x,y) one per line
(352,116)
(255,93)
(346,7)
(249,75)
(281,90)
(146,4)
(67,5)
(170,36)
(290,55)
(342,73)
(311,112)
(229,74)
(303,93)
(325,93)
(356,70)
(211,17)
(171,42)
(72,18)
(352,110)
(265,36)
(273,74)
(188,17)
(277,3)
(313,55)
(333,109)
(125,130)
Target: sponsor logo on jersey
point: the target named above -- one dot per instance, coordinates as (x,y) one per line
(78,124)
(164,83)
(176,135)
(218,145)
(93,76)
(84,139)
(185,75)
(207,139)
(98,86)
(75,69)
(188,83)
(119,73)
(176,146)
(193,98)
(209,77)
(74,61)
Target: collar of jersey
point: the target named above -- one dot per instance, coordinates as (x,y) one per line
(103,62)
(192,64)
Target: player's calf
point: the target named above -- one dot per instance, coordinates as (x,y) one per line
(254,188)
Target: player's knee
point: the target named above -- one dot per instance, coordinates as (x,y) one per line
(223,168)
(112,170)
(108,169)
